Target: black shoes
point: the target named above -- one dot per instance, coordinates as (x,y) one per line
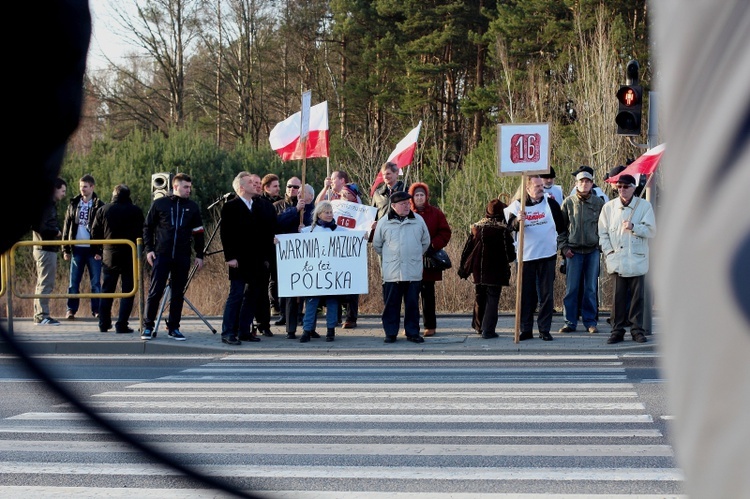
(615,338)
(389,339)
(280,322)
(266,332)
(230,340)
(567,329)
(488,336)
(248,337)
(313,334)
(415,339)
(305,337)
(127,330)
(104,329)
(291,336)
(546,336)
(331,334)
(639,337)
(525,336)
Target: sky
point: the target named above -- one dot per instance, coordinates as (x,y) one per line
(104,39)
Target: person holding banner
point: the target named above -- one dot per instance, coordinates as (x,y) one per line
(350,193)
(543,221)
(322,220)
(401,239)
(440,235)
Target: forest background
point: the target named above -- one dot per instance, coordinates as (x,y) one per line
(208,79)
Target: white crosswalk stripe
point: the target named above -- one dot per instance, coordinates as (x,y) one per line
(399,438)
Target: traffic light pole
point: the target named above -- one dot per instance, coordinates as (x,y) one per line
(651,197)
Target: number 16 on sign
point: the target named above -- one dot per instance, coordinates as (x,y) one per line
(523,149)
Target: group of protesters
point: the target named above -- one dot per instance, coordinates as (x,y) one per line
(406,232)
(580,228)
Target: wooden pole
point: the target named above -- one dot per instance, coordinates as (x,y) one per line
(519,260)
(301,193)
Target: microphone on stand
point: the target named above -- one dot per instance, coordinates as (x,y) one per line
(226,197)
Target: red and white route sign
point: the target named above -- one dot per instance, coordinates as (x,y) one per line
(523,149)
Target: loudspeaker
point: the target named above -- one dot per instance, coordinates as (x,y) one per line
(161,185)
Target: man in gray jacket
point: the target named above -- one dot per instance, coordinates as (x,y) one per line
(401,239)
(625,225)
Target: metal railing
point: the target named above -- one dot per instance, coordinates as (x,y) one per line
(8,263)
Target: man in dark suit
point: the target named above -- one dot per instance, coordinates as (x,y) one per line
(243,219)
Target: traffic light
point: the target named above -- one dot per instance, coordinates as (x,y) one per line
(630,98)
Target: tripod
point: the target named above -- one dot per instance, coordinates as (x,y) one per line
(168,289)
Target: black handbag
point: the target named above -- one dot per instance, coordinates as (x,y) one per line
(437,260)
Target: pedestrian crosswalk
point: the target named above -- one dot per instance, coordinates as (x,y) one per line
(356,427)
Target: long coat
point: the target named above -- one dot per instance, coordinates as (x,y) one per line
(401,245)
(248,237)
(488,252)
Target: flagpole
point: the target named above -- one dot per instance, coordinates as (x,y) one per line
(304,130)
(519,258)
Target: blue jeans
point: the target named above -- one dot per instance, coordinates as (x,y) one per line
(311,309)
(84,258)
(583,268)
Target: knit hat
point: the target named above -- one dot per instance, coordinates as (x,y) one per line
(495,209)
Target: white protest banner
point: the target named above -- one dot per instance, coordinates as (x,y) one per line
(322,263)
(523,149)
(353,215)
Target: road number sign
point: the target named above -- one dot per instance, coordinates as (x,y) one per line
(523,148)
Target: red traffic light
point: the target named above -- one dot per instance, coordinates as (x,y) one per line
(628,96)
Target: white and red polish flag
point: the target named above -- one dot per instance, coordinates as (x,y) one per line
(285,136)
(646,164)
(402,155)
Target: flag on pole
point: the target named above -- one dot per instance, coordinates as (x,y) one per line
(402,155)
(646,164)
(285,136)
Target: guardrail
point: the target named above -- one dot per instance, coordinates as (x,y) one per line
(8,262)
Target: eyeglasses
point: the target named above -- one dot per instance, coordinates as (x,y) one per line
(290,186)
(624,186)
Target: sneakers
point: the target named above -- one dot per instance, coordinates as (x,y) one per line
(175,334)
(147,334)
(70,315)
(47,321)
(567,329)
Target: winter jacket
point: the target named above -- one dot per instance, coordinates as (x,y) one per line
(287,216)
(581,219)
(120,219)
(437,225)
(248,238)
(401,244)
(171,224)
(626,251)
(70,226)
(488,252)
(47,229)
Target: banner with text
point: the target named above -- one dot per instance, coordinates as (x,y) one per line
(322,263)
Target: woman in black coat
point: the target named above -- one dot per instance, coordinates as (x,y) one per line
(486,256)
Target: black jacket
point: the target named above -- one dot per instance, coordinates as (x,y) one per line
(70,226)
(248,238)
(171,224)
(120,219)
(48,228)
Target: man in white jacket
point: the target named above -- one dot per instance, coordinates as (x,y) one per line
(401,238)
(626,223)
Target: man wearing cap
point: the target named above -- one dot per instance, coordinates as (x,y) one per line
(401,239)
(625,225)
(579,244)
(551,189)
(595,189)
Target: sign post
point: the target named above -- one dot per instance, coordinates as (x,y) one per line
(523,149)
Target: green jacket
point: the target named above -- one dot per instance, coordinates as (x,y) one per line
(581,218)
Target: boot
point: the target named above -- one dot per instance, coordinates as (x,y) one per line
(330,335)
(305,337)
